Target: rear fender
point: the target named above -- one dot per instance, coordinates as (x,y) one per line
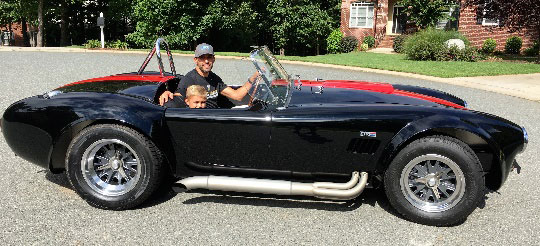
(137,114)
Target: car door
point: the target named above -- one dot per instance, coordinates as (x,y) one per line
(329,140)
(218,137)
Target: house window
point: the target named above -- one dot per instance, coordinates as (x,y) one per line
(488,21)
(361,15)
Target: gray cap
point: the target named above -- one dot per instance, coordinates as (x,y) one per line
(203,49)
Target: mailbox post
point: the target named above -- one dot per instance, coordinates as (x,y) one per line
(101,24)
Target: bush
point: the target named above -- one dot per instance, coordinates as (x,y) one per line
(513,45)
(398,43)
(533,50)
(349,44)
(117,45)
(469,54)
(370,41)
(489,46)
(429,44)
(333,42)
(92,44)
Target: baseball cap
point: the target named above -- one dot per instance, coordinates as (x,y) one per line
(203,49)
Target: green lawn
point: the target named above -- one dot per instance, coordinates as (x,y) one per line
(397,62)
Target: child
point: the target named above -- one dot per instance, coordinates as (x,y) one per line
(196,96)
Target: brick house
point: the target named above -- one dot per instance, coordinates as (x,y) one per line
(16,34)
(384,20)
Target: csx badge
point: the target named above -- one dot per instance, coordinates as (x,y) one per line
(368,134)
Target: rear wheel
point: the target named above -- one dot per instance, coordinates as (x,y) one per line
(435,181)
(113,167)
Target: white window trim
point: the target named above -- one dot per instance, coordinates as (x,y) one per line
(365,5)
(488,22)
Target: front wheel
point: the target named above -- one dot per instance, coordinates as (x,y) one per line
(113,167)
(435,181)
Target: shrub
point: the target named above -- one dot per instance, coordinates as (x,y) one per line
(370,41)
(398,43)
(429,44)
(333,42)
(117,45)
(92,44)
(489,46)
(533,50)
(469,54)
(349,44)
(513,45)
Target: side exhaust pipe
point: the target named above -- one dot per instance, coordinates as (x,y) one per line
(325,190)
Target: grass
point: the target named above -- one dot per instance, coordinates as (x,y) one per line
(398,62)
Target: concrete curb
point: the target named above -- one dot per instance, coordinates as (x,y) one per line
(526,86)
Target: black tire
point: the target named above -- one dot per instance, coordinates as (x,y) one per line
(437,163)
(113,167)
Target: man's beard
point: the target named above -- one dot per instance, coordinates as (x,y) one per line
(206,70)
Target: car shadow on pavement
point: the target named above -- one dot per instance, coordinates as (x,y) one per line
(59,179)
(163,194)
(370,197)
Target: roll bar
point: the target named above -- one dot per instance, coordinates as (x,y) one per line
(156,50)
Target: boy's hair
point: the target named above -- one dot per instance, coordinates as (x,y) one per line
(196,90)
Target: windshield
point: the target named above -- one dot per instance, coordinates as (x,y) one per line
(273,86)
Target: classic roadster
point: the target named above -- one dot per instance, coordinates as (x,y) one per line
(328,139)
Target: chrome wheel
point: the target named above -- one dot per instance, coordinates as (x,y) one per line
(432,183)
(111,167)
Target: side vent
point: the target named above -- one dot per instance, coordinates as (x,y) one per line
(363,146)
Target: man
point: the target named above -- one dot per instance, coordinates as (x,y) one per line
(202,75)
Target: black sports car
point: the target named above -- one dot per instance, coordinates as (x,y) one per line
(324,138)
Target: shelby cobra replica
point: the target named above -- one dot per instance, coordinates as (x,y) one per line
(328,139)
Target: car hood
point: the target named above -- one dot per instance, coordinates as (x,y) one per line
(362,92)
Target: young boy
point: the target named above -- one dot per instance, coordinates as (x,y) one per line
(196,96)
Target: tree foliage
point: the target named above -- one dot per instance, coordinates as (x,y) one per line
(300,27)
(175,20)
(426,13)
(15,10)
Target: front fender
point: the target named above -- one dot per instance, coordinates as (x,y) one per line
(433,125)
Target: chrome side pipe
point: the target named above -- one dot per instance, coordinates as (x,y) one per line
(325,190)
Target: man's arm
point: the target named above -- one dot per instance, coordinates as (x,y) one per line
(165,97)
(238,94)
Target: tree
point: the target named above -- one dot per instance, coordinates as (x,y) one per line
(299,26)
(177,21)
(18,11)
(231,25)
(427,13)
(40,33)
(517,15)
